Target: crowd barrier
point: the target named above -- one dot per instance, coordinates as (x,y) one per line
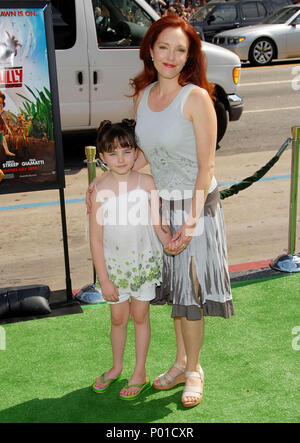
(290,262)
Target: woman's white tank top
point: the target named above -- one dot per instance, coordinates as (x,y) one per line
(168,141)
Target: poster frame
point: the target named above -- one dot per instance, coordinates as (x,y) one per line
(45,5)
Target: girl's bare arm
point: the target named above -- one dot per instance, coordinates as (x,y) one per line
(109,290)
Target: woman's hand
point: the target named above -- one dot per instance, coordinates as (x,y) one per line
(88,196)
(180,240)
(109,291)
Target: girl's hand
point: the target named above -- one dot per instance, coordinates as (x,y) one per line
(180,240)
(109,291)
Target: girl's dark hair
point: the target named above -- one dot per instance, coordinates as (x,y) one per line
(109,135)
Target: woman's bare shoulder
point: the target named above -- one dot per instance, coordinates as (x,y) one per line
(147,182)
(138,96)
(198,95)
(198,100)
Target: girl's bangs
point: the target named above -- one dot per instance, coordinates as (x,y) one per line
(116,136)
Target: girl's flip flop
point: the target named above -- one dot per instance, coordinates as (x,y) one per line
(142,387)
(110,381)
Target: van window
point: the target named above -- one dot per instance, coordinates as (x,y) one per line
(280,3)
(120,23)
(64,23)
(224,13)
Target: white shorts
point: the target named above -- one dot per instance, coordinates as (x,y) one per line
(144,294)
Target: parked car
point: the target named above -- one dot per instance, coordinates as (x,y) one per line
(216,17)
(277,37)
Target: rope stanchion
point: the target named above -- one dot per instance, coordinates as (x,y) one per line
(236,188)
(290,262)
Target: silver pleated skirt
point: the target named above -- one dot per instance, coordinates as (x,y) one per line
(208,251)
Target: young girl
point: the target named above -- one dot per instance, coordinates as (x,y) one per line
(126,251)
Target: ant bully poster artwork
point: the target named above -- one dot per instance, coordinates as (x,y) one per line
(30,146)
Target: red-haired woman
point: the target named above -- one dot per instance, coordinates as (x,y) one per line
(177,130)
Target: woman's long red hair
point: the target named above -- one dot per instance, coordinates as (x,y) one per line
(194,70)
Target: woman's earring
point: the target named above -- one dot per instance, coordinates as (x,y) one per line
(152,59)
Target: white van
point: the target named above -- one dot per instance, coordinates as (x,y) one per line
(97,52)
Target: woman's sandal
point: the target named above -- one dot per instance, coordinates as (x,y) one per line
(110,381)
(193,391)
(142,388)
(167,381)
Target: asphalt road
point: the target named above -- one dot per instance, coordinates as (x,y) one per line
(271,107)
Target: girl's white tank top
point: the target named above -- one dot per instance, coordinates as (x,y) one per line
(132,250)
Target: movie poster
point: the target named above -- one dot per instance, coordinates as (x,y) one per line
(28,145)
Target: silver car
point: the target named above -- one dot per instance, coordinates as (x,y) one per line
(276,37)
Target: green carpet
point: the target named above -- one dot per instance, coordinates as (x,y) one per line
(251,367)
